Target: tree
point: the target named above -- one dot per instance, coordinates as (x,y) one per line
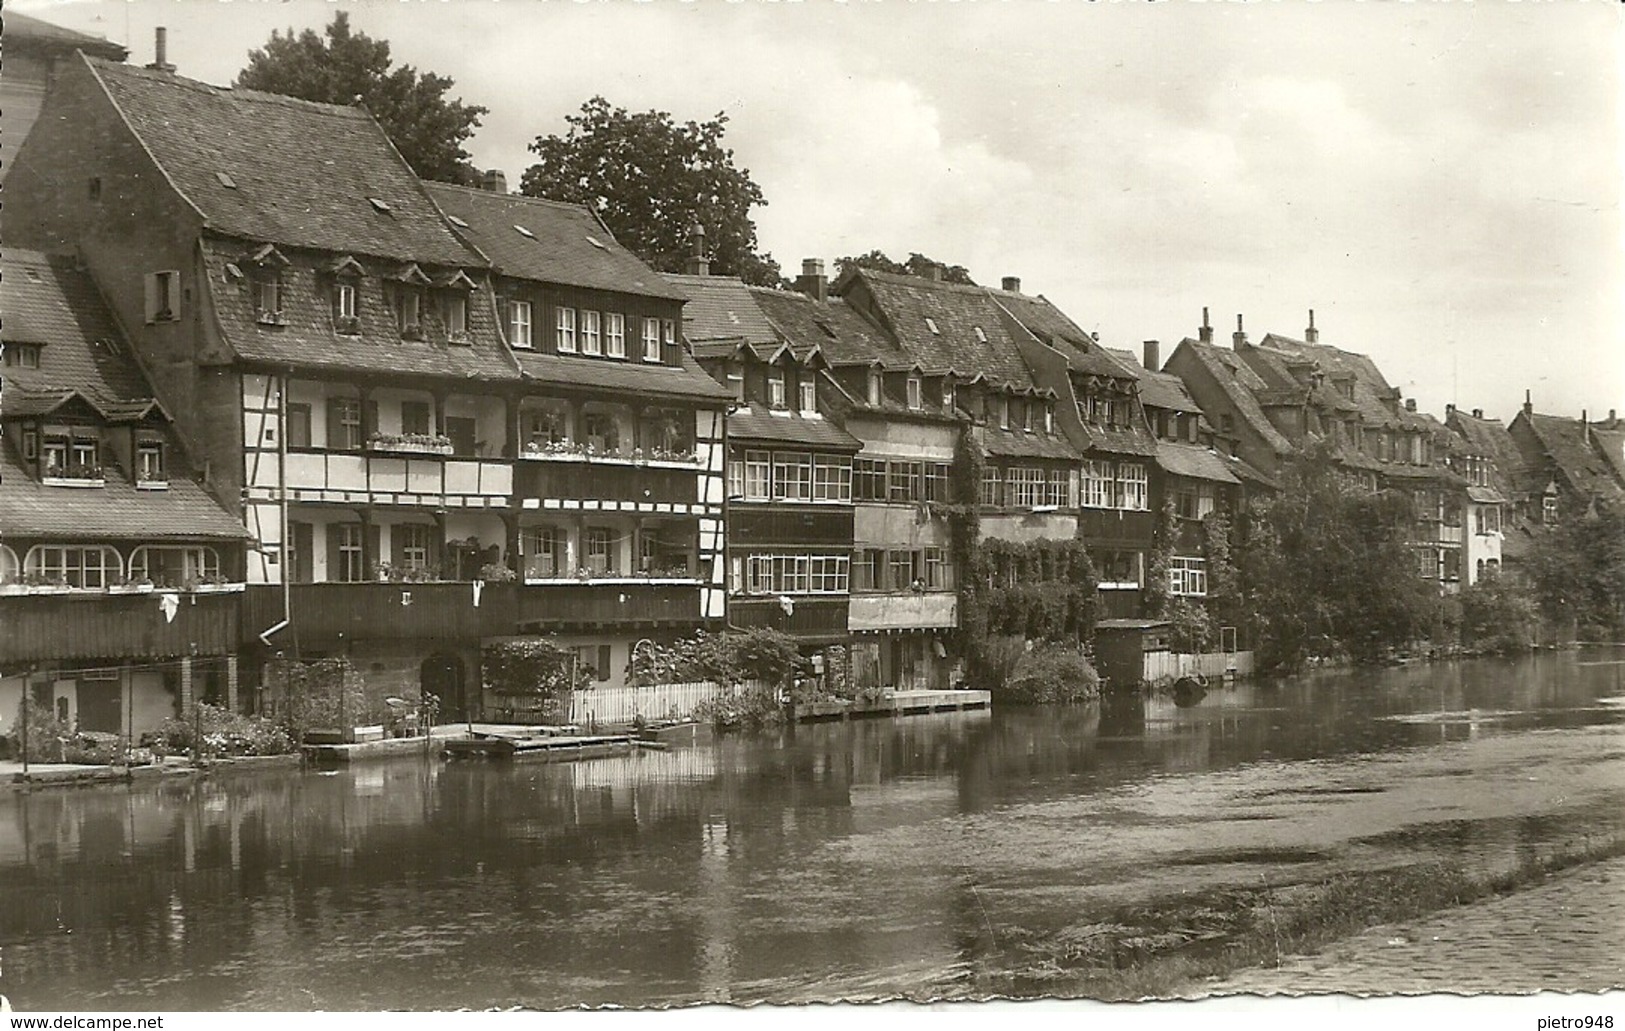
(350,67)
(1578,573)
(649,178)
(916,265)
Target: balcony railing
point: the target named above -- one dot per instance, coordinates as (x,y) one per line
(387,478)
(609,602)
(640,485)
(326,612)
(812,617)
(78,625)
(904,611)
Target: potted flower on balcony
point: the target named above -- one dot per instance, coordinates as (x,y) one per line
(13,586)
(497,573)
(45,583)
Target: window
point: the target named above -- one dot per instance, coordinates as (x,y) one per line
(345,564)
(828,574)
(936,482)
(736,478)
(651,340)
(868,479)
(593,660)
(668,332)
(792,476)
(566,329)
(948,395)
(736,382)
(544,553)
(775,390)
(344,423)
(1428,561)
(149,462)
(1119,569)
(1028,487)
(415,417)
(900,570)
(875,389)
(1133,494)
(936,570)
(591,339)
(992,492)
(408,312)
(914,399)
(268,298)
(832,479)
(1548,509)
(598,548)
(22,356)
(866,565)
(904,482)
(30,445)
(1029,415)
(174,566)
(56,456)
(412,546)
(1060,488)
(981,334)
(345,297)
(1452,563)
(1193,501)
(519,324)
(163,297)
(931,324)
(454,313)
(809,397)
(84,568)
(758,475)
(1488,519)
(1049,419)
(1187,576)
(1096,486)
(1002,407)
(297,431)
(615,335)
(602,432)
(792,574)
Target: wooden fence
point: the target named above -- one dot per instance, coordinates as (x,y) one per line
(1161,667)
(608,705)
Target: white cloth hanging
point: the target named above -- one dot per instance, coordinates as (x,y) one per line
(170,603)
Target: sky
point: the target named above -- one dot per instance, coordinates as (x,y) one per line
(1439,181)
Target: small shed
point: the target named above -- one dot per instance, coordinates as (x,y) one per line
(1121,646)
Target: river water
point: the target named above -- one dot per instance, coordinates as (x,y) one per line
(831,861)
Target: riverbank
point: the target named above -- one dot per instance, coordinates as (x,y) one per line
(67,775)
(1240,940)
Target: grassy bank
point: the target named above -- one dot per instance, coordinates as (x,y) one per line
(1169,948)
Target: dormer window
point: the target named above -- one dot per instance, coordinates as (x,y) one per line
(1001,407)
(1029,416)
(565,330)
(980,335)
(409,312)
(651,340)
(775,390)
(592,341)
(947,395)
(875,391)
(22,356)
(149,465)
(615,334)
(931,324)
(914,399)
(454,313)
(736,382)
(1049,418)
(268,297)
(809,397)
(346,305)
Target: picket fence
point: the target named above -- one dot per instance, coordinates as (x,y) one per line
(1161,667)
(609,705)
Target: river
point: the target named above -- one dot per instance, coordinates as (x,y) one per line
(831,861)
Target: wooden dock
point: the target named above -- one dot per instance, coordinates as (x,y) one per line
(895,703)
(550,748)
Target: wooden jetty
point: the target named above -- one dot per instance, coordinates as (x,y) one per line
(893,703)
(541,748)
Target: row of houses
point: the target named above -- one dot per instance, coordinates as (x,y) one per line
(268,394)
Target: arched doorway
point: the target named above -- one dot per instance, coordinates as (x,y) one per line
(441,675)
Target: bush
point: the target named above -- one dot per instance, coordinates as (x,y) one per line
(1051,674)
(48,737)
(996,660)
(1497,617)
(760,653)
(1191,627)
(219,733)
(750,710)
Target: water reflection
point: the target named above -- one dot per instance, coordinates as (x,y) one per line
(827,861)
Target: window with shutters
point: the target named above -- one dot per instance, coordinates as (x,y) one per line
(345,556)
(344,423)
(544,553)
(598,548)
(415,417)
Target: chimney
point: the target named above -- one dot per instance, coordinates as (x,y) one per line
(1410,404)
(933,272)
(1613,415)
(1011,284)
(812,281)
(160,58)
(494,180)
(1585,427)
(1478,413)
(1238,339)
(1528,405)
(1311,335)
(1206,335)
(1449,409)
(1152,355)
(697,264)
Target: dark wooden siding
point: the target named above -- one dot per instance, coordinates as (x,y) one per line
(758,525)
(381,611)
(546,300)
(814,619)
(1104,524)
(595,606)
(99,626)
(542,479)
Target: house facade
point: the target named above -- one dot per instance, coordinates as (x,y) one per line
(120,575)
(1567,465)
(1487,459)
(35,50)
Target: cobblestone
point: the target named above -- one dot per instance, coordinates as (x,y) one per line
(1567,934)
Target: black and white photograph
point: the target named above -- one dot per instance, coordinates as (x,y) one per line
(716,506)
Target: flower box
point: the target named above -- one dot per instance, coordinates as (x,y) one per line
(74,481)
(151,484)
(410,443)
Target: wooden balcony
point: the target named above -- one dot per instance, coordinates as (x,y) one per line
(83,625)
(643,484)
(328,612)
(611,603)
(759,524)
(1111,524)
(815,619)
(387,478)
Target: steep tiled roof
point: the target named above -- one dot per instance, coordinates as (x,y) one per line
(1013,444)
(1197,463)
(1563,440)
(117,511)
(308,339)
(1051,325)
(279,170)
(1240,384)
(1275,355)
(682,380)
(566,245)
(721,308)
(1611,443)
(1487,438)
(50,302)
(844,336)
(24,32)
(1157,389)
(910,306)
(756,424)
